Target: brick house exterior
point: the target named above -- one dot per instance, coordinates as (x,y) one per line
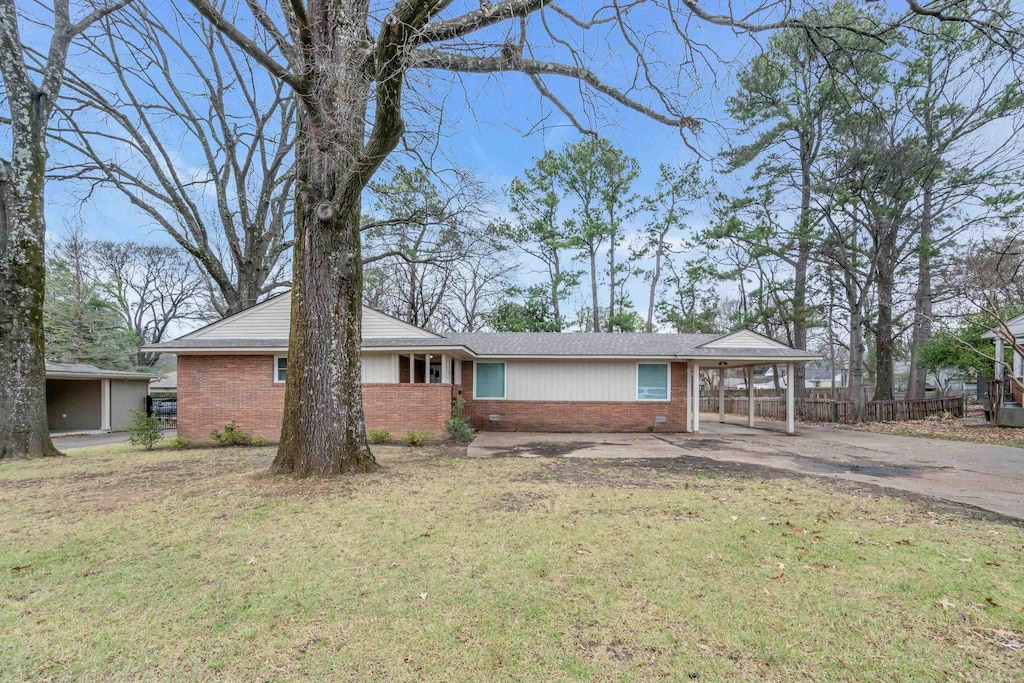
(234,371)
(217,390)
(577,416)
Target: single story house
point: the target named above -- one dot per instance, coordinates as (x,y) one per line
(82,397)
(234,370)
(1012,414)
(164,385)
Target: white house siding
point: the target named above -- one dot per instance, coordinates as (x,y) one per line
(744,339)
(527,380)
(376,325)
(272,320)
(380,368)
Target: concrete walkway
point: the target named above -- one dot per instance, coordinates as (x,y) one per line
(65,441)
(989,477)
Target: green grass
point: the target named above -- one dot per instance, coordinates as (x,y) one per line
(195,565)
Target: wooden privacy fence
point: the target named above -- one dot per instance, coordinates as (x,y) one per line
(818,410)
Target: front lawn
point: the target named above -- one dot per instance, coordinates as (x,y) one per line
(120,565)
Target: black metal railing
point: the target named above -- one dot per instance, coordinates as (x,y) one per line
(164,408)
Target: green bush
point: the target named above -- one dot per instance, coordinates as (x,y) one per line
(233,436)
(458,429)
(417,438)
(378,435)
(650,428)
(145,429)
(179,442)
(456,426)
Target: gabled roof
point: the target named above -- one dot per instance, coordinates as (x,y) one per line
(1015,324)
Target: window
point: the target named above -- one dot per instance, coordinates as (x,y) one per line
(489,380)
(280,369)
(652,381)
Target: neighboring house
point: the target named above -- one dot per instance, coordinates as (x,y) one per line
(1011,392)
(817,375)
(1016,327)
(164,385)
(83,397)
(234,371)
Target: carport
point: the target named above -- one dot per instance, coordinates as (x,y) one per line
(744,350)
(85,398)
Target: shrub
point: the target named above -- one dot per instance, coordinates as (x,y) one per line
(179,442)
(456,426)
(378,435)
(650,428)
(458,429)
(233,436)
(417,438)
(145,429)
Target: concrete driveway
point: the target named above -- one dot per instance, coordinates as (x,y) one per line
(989,477)
(68,441)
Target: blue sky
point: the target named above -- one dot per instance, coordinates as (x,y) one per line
(486,118)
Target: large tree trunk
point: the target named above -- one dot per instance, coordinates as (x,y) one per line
(611,284)
(856,382)
(556,283)
(24,431)
(884,335)
(803,258)
(655,277)
(917,382)
(324,431)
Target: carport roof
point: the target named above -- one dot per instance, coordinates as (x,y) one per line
(84,371)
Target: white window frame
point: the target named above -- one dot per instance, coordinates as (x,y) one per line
(504,381)
(668,385)
(276,380)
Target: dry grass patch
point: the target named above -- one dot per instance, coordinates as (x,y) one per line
(120,565)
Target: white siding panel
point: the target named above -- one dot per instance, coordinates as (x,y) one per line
(570,380)
(744,339)
(269,320)
(376,325)
(380,368)
(272,320)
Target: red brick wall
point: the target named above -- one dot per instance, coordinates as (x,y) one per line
(216,390)
(400,408)
(577,416)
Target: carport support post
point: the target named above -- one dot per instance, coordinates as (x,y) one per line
(696,396)
(721,395)
(790,404)
(105,405)
(689,397)
(750,396)
(999,358)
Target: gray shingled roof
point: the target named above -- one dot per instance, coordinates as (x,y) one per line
(727,352)
(540,344)
(226,344)
(580,343)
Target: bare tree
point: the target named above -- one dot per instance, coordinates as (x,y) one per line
(153,288)
(479,284)
(424,227)
(176,84)
(32,84)
(348,63)
(675,188)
